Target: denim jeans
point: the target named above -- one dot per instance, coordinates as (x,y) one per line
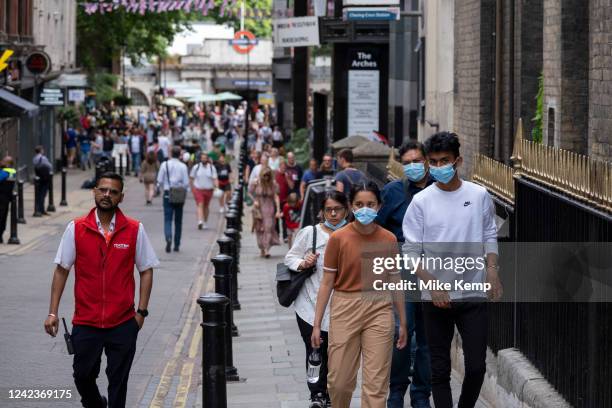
(173,211)
(136,163)
(420,389)
(84,160)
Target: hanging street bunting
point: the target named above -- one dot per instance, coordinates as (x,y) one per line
(229,8)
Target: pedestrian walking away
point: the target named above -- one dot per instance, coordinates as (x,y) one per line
(105,243)
(8,176)
(203,180)
(455,218)
(396,197)
(148,175)
(300,257)
(44,171)
(349,176)
(174,179)
(361,319)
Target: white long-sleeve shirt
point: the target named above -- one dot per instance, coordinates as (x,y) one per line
(178,175)
(306,301)
(454,224)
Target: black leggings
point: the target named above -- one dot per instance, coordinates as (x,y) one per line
(471,319)
(306,332)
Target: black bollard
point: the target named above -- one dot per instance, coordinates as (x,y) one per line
(20,214)
(127,164)
(214,388)
(51,206)
(226,247)
(235,254)
(13,239)
(231,220)
(223,283)
(37,213)
(63,202)
(121,164)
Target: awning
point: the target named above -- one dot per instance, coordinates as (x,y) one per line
(12,105)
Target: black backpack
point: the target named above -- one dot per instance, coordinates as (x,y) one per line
(42,171)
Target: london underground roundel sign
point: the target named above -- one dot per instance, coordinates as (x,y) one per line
(244,41)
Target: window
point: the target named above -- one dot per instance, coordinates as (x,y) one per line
(138,98)
(550,137)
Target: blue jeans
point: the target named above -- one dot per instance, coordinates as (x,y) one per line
(84,160)
(420,389)
(173,211)
(136,163)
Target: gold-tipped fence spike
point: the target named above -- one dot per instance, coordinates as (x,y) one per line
(517,154)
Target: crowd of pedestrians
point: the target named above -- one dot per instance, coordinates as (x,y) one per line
(402,340)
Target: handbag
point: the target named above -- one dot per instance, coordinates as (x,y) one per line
(176,195)
(290,282)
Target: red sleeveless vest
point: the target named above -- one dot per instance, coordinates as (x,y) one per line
(104,273)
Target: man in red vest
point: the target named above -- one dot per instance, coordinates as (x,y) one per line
(104,246)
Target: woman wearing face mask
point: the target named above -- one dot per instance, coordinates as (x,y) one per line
(361,319)
(300,257)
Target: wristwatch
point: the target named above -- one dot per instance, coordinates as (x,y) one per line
(143,312)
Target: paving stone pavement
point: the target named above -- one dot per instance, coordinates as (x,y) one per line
(269,353)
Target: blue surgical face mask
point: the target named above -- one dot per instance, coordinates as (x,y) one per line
(333,227)
(414,171)
(365,215)
(443,174)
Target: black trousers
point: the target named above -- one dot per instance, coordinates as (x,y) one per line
(306,332)
(119,345)
(43,189)
(4,212)
(471,319)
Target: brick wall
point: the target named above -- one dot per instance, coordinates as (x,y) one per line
(473,97)
(600,80)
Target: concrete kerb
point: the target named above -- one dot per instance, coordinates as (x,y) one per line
(511,380)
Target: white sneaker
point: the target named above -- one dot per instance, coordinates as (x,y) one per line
(204,226)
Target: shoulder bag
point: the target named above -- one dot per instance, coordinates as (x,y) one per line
(290,282)
(176,195)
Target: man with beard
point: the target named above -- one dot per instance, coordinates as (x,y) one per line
(104,246)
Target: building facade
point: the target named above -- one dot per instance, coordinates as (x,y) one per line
(503,48)
(28,26)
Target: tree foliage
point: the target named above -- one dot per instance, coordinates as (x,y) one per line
(260,26)
(103,37)
(537,132)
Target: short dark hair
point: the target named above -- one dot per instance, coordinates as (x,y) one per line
(176,151)
(39,149)
(411,145)
(346,154)
(110,175)
(370,186)
(443,142)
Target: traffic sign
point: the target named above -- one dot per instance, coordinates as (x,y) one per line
(38,63)
(244,41)
(51,97)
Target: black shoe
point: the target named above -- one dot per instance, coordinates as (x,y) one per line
(168,246)
(176,249)
(318,401)
(1,240)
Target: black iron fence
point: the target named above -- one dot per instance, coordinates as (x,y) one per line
(568,342)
